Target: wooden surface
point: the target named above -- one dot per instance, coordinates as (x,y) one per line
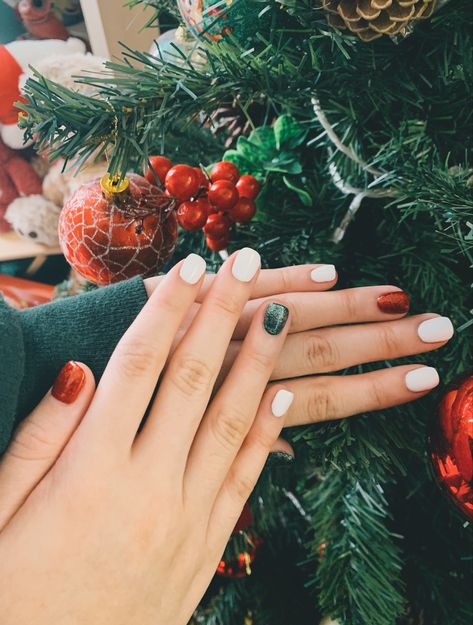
(14,247)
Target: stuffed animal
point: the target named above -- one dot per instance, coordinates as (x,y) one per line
(17,179)
(15,57)
(36,216)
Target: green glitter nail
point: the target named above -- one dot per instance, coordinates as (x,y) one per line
(275,318)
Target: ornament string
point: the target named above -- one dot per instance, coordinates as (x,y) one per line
(346,188)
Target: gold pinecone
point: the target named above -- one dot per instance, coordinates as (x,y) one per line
(371,19)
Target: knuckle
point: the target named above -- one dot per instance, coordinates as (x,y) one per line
(260,362)
(135,358)
(321,404)
(388,340)
(320,353)
(192,376)
(286,281)
(31,442)
(242,486)
(229,427)
(350,305)
(227,303)
(377,393)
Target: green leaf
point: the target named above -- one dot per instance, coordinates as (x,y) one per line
(245,166)
(264,138)
(249,150)
(288,132)
(304,196)
(286,164)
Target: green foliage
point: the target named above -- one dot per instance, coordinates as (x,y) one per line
(395,551)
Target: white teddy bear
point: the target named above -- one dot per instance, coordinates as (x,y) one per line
(15,59)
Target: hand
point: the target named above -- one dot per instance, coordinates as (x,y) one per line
(331,331)
(118,527)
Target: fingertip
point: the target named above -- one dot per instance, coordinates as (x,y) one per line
(324,275)
(74,380)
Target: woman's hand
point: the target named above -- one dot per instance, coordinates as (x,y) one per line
(109,523)
(331,331)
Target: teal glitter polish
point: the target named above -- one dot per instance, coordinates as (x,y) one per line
(277,459)
(275,318)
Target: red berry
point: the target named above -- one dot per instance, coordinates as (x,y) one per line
(248,186)
(203,180)
(217,226)
(182,182)
(193,215)
(223,194)
(243,210)
(216,245)
(161,166)
(224,170)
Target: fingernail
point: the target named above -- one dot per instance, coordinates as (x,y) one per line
(69,383)
(281,402)
(193,268)
(422,379)
(279,459)
(275,318)
(434,330)
(246,264)
(395,303)
(323,273)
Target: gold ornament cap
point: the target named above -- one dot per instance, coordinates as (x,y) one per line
(114,184)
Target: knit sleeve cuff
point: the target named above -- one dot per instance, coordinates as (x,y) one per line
(84,327)
(11,370)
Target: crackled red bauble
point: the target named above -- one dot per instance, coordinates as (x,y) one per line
(451,443)
(111,231)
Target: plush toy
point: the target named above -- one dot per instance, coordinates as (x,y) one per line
(36,216)
(15,57)
(17,180)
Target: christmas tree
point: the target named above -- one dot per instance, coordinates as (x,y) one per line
(355,118)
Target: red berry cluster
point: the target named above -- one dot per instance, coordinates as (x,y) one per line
(211,202)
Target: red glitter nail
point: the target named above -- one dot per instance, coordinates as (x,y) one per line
(69,383)
(395,303)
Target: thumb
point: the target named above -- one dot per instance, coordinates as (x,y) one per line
(42,436)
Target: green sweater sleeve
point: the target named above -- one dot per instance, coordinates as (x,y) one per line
(36,343)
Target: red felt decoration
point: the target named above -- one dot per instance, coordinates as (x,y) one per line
(110,233)
(451,443)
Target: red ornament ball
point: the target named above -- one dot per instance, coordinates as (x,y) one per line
(248,186)
(217,226)
(217,245)
(244,210)
(203,180)
(451,443)
(110,233)
(192,215)
(225,170)
(161,166)
(223,194)
(182,182)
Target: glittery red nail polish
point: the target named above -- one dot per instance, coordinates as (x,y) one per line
(395,303)
(69,383)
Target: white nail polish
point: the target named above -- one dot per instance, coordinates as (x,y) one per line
(192,269)
(434,330)
(281,402)
(323,273)
(422,379)
(246,264)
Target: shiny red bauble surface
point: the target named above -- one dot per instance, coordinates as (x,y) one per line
(161,166)
(451,443)
(216,245)
(217,226)
(182,182)
(248,186)
(223,194)
(192,215)
(244,210)
(225,170)
(108,237)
